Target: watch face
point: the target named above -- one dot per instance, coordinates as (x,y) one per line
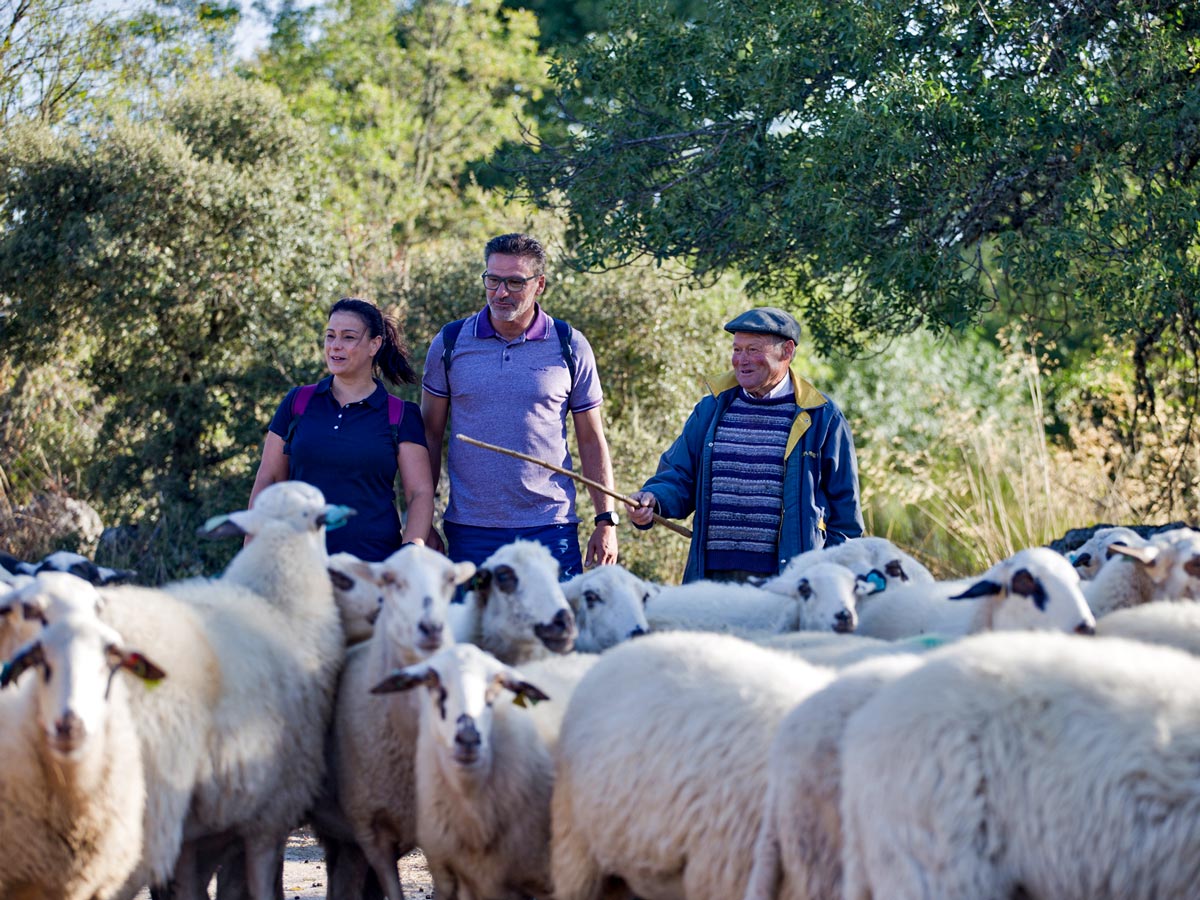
(607,517)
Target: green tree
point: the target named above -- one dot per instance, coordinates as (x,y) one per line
(894,164)
(58,56)
(409,97)
(182,261)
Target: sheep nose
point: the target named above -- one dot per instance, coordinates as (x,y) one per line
(843,621)
(466,735)
(638,632)
(559,634)
(1085,628)
(430,630)
(68,727)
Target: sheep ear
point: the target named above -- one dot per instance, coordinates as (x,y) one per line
(133,662)
(523,690)
(31,655)
(341,580)
(1145,555)
(463,572)
(220,527)
(984,588)
(407,679)
(1192,567)
(479,583)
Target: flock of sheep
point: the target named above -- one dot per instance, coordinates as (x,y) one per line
(850,727)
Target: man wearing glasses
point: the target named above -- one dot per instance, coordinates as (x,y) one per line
(508,375)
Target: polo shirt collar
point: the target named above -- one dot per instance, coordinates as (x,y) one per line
(538,330)
(377,398)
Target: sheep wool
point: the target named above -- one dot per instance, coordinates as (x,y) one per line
(662,765)
(1036,765)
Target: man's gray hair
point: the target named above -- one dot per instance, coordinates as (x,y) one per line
(517,244)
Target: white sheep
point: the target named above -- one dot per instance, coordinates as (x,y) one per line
(866,556)
(374,735)
(485,770)
(1091,556)
(1165,567)
(272,623)
(1034,588)
(797,855)
(19,617)
(823,597)
(662,765)
(72,789)
(1162,622)
(608,603)
(1032,765)
(358,594)
(838,651)
(514,606)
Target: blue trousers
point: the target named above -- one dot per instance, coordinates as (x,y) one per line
(471,543)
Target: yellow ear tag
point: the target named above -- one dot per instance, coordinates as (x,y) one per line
(519,700)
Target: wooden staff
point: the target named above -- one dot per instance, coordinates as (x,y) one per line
(667,523)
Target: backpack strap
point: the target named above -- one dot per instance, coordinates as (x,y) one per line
(564,341)
(562,328)
(395,417)
(300,399)
(304,393)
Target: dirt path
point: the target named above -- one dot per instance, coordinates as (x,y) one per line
(304,872)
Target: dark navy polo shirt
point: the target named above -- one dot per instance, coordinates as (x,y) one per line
(348,452)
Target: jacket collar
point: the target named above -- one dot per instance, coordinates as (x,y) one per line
(807,396)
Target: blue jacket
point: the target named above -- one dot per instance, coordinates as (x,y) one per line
(820,492)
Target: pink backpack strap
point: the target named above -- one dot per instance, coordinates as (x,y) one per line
(300,402)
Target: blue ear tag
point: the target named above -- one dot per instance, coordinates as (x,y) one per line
(876,580)
(1071,557)
(337,517)
(5,673)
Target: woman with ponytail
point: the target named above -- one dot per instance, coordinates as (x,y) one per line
(348,437)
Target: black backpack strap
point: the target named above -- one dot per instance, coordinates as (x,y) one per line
(449,338)
(564,341)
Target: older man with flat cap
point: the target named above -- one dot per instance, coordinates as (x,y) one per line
(766,461)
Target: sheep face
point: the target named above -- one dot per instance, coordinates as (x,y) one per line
(1089,558)
(285,504)
(1033,590)
(1172,561)
(77,656)
(828,596)
(519,598)
(609,603)
(357,594)
(416,585)
(462,683)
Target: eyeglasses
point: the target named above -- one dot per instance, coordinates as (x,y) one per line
(514,285)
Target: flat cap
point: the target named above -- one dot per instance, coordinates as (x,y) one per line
(766,320)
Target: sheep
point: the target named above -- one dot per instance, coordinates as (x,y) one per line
(608,603)
(839,651)
(885,564)
(1166,567)
(374,736)
(1031,765)
(797,855)
(272,625)
(358,594)
(824,598)
(514,606)
(19,616)
(661,765)
(485,771)
(1091,556)
(1162,622)
(1035,588)
(72,791)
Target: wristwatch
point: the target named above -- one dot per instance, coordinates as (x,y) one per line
(609,517)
